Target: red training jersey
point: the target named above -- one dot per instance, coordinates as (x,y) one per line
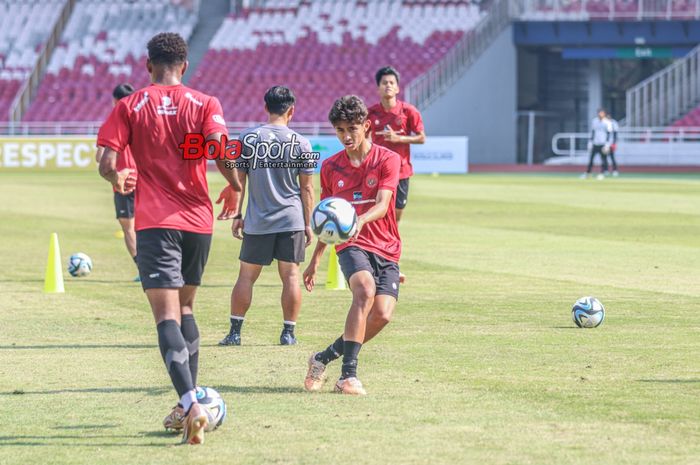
(171,192)
(404,119)
(359,186)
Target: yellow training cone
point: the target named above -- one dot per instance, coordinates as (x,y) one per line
(53,282)
(334,279)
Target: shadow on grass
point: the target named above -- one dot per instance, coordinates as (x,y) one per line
(260,389)
(149,391)
(76,427)
(78,346)
(672,381)
(155,391)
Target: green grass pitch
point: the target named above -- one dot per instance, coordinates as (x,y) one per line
(482,363)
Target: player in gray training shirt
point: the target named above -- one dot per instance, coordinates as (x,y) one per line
(277,165)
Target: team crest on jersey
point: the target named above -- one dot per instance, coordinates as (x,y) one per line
(356,196)
(371,180)
(166,107)
(341,183)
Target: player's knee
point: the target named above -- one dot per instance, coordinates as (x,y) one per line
(363,293)
(382,318)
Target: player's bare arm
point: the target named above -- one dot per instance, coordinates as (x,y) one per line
(98,153)
(237,224)
(306,185)
(229,195)
(123,180)
(312,267)
(392,136)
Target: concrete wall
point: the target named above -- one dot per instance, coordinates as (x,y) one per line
(482,105)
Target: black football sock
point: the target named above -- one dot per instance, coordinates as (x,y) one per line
(191,334)
(236,323)
(351,350)
(289,327)
(332,352)
(173,348)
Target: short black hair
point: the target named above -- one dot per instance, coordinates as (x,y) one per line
(122,90)
(348,109)
(386,71)
(167,48)
(279,99)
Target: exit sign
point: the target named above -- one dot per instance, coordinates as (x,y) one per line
(644,52)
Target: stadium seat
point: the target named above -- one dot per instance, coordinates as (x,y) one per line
(24,28)
(103,45)
(323,50)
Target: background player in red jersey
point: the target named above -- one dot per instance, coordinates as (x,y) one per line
(396,125)
(174,215)
(366,175)
(124,204)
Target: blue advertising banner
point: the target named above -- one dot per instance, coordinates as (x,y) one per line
(438,154)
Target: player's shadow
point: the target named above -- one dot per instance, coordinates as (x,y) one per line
(149,391)
(260,389)
(76,346)
(80,427)
(672,381)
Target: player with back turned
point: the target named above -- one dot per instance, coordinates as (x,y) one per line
(366,175)
(174,215)
(124,204)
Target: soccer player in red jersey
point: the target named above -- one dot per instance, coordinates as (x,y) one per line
(174,214)
(396,125)
(124,204)
(366,175)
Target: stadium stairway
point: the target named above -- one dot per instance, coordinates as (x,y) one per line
(211,15)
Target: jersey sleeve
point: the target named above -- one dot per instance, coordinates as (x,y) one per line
(115,133)
(214,119)
(415,121)
(325,182)
(389,172)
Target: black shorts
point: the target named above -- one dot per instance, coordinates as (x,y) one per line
(385,272)
(402,194)
(260,249)
(124,205)
(170,258)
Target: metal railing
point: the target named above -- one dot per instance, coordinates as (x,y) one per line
(647,141)
(434,82)
(666,96)
(89,128)
(26,93)
(585,10)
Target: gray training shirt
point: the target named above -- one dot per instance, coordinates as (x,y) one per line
(274,200)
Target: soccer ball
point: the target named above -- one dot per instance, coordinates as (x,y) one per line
(334,220)
(79,265)
(588,312)
(213,405)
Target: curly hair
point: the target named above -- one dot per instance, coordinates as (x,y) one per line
(348,109)
(167,48)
